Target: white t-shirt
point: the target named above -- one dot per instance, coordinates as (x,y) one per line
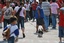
(12,29)
(7,12)
(16,8)
(27,7)
(22,12)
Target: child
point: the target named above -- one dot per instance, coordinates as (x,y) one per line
(61,24)
(14,32)
(54,11)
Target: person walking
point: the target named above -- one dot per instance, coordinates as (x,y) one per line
(34,6)
(12,30)
(27,6)
(61,24)
(47,11)
(21,13)
(54,11)
(7,12)
(39,17)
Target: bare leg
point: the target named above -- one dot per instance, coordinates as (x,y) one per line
(37,28)
(60,39)
(23,32)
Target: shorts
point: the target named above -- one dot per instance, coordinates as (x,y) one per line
(39,21)
(21,21)
(61,31)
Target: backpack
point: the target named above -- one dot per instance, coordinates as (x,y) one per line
(6,34)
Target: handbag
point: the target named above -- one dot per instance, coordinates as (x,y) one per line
(6,34)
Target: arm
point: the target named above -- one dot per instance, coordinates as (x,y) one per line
(2,13)
(38,13)
(24,13)
(50,10)
(12,12)
(58,10)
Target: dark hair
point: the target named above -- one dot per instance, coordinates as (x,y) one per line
(49,0)
(21,3)
(39,0)
(12,19)
(53,0)
(43,0)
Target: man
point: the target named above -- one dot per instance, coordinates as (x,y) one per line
(34,6)
(46,8)
(20,16)
(27,6)
(7,12)
(39,17)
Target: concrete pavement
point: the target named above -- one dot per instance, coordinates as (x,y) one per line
(49,37)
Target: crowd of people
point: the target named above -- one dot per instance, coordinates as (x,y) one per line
(16,12)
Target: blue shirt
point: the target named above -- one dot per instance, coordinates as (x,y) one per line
(41,12)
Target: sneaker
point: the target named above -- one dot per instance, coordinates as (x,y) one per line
(36,32)
(4,39)
(45,30)
(53,27)
(23,35)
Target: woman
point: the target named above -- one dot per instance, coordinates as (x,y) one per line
(39,17)
(22,16)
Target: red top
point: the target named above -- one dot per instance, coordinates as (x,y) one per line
(61,19)
(2,5)
(34,6)
(59,2)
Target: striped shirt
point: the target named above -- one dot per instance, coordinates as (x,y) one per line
(46,8)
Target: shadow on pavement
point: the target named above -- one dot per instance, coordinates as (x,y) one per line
(3,41)
(61,42)
(20,38)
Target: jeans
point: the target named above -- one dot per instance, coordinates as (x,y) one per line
(61,31)
(34,12)
(11,40)
(6,21)
(21,21)
(54,20)
(46,21)
(27,15)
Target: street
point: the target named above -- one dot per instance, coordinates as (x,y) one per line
(49,37)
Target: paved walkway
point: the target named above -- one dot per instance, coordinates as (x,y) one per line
(49,37)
